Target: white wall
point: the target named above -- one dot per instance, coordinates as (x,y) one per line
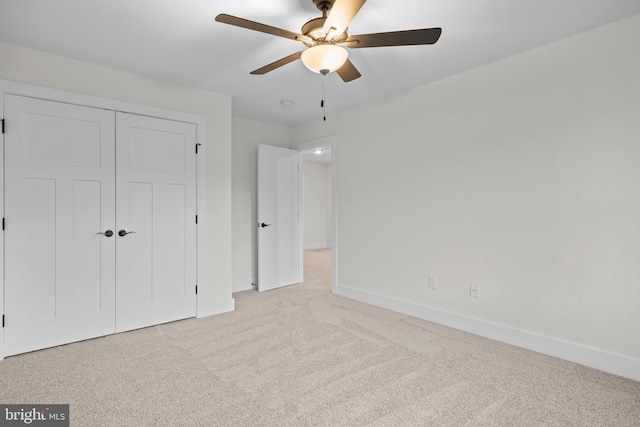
(317,205)
(522,176)
(247,134)
(38,68)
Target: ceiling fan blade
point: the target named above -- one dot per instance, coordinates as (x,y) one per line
(348,72)
(277,64)
(256,26)
(340,16)
(395,38)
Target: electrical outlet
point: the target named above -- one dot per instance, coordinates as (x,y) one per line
(432,282)
(474,290)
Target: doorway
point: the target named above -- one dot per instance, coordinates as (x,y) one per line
(318,202)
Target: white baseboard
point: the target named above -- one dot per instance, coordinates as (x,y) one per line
(244,285)
(312,246)
(588,356)
(216,307)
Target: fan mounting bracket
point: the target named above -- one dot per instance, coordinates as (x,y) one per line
(324,6)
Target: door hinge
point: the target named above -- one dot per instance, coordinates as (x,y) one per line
(3,320)
(2,125)
(196,219)
(196,289)
(197,145)
(2,224)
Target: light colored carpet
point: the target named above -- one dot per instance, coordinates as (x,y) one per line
(301,356)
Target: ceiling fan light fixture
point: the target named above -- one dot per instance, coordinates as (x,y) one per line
(324,58)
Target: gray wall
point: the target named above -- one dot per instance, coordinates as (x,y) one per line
(521,176)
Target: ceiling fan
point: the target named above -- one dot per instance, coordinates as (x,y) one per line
(326,38)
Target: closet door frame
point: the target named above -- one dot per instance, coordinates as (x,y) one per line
(21,89)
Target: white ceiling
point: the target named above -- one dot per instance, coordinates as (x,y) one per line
(179,40)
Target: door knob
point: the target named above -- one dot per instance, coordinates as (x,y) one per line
(263,225)
(107,233)
(123,233)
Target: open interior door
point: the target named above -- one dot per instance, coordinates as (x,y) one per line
(278,218)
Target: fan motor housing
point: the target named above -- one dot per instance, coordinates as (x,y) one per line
(314,30)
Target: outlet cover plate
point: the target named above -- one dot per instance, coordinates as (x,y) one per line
(474,290)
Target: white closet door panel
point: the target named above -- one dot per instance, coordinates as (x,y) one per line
(176,240)
(60,192)
(154,150)
(156,276)
(87,253)
(139,247)
(39,211)
(75,143)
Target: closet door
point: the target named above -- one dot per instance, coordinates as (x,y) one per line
(156,217)
(59,197)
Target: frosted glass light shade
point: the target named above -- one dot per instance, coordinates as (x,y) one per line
(324,57)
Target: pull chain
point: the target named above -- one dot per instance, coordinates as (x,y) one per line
(323,103)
